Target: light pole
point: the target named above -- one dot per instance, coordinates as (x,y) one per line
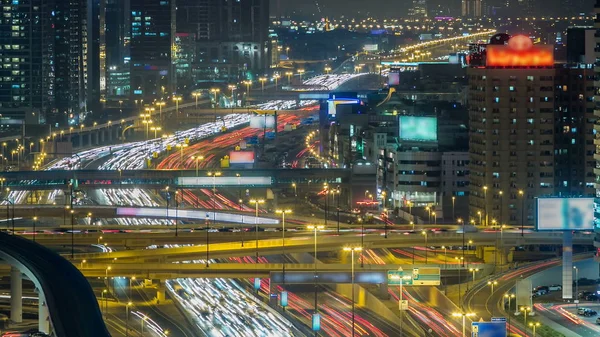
(103,309)
(352,250)
(479,213)
(533,326)
(131,279)
(256,202)
(485,207)
(525,310)
(289,76)
(315,229)
(473,270)
(425,234)
(176,213)
(144,317)
(127,318)
(215,92)
(492,284)
(445,257)
(522,195)
(510,297)
(464,316)
(362,240)
(301,72)
(214,175)
(177,99)
(453,200)
(283,213)
(295,195)
(262,84)
(459,280)
(576,286)
(197,159)
(34,221)
(400,296)
(72,232)
(232,87)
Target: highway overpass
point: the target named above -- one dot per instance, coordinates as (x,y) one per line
(158,179)
(326,242)
(67,305)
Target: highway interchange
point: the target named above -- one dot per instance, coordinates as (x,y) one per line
(222,307)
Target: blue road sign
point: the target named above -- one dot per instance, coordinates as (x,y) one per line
(488,329)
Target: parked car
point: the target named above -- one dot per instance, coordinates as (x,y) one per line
(598,320)
(542,288)
(586,312)
(555,287)
(584,294)
(591,297)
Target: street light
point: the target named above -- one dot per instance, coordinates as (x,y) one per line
(522,195)
(485,208)
(401,295)
(533,326)
(104,297)
(315,229)
(283,213)
(34,221)
(453,201)
(464,316)
(256,202)
(445,257)
(214,175)
(525,310)
(197,159)
(425,234)
(352,250)
(300,72)
(127,318)
(327,69)
(473,270)
(576,286)
(262,83)
(460,221)
(509,297)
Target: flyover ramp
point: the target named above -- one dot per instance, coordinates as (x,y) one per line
(331,242)
(72,306)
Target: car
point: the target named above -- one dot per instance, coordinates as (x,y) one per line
(598,320)
(545,289)
(591,297)
(584,294)
(587,312)
(555,287)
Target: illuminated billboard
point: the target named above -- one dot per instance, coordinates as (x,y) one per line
(241,157)
(565,214)
(333,103)
(520,52)
(261,122)
(420,129)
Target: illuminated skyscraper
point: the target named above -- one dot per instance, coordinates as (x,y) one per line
(232,36)
(152,47)
(418,9)
(471,8)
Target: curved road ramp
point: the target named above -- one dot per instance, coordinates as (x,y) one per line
(72,306)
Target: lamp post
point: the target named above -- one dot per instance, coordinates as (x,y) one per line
(131,279)
(445,257)
(326,187)
(197,159)
(289,76)
(338,192)
(262,83)
(256,202)
(316,229)
(72,233)
(103,309)
(301,72)
(453,200)
(362,240)
(485,207)
(295,195)
(464,316)
(533,326)
(176,213)
(524,310)
(232,87)
(459,279)
(425,234)
(127,318)
(177,99)
(34,221)
(576,286)
(142,322)
(509,297)
(492,284)
(215,92)
(352,250)
(283,213)
(522,195)
(473,270)
(479,213)
(400,295)
(214,175)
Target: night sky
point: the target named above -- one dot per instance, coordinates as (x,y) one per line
(360,8)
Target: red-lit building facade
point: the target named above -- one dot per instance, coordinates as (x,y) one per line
(531,130)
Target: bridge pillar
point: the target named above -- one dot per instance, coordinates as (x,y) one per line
(383,291)
(80,139)
(90,138)
(16,295)
(102,136)
(43,315)
(160,291)
(110,134)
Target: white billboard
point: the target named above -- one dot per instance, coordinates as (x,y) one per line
(565,214)
(261,122)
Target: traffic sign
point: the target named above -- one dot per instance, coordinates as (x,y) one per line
(498,319)
(403,304)
(488,329)
(429,276)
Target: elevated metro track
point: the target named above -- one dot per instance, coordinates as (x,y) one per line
(303,244)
